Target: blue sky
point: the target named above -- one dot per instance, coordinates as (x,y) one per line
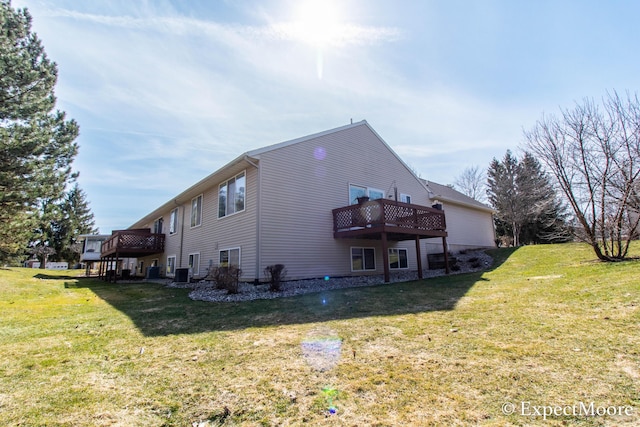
(166,92)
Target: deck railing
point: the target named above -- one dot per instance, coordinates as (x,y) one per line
(133,243)
(388,214)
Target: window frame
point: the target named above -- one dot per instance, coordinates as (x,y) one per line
(173,222)
(196,220)
(167,270)
(225,184)
(377,190)
(364,258)
(367,192)
(92,245)
(194,267)
(406,258)
(158,225)
(229,256)
(405,198)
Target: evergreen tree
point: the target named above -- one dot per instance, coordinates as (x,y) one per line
(37,143)
(528,209)
(502,193)
(76,219)
(546,216)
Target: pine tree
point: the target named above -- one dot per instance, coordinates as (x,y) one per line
(545,214)
(76,219)
(37,143)
(528,209)
(502,193)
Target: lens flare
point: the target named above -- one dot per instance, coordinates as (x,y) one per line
(321,349)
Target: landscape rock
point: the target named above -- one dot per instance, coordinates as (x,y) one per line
(206,291)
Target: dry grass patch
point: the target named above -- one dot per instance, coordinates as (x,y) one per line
(546,326)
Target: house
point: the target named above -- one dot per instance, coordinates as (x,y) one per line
(295,203)
(90,256)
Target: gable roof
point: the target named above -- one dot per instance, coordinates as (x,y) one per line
(444,193)
(448,194)
(220,174)
(255,153)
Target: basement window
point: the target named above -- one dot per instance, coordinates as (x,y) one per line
(398,259)
(363,259)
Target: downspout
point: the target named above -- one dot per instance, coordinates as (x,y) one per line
(258,218)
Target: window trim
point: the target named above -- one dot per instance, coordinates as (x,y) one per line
(363,259)
(195,270)
(369,189)
(175,259)
(406,252)
(226,182)
(201,197)
(229,250)
(158,224)
(173,224)
(367,192)
(403,198)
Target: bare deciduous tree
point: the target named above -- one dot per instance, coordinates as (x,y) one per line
(594,153)
(471,182)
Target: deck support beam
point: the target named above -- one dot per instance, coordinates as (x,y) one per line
(446,255)
(419,257)
(385,258)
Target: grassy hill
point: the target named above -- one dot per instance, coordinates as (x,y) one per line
(547,329)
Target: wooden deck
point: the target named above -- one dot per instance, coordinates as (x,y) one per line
(132,244)
(386,220)
(401,221)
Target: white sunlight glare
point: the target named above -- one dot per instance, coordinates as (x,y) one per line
(318,22)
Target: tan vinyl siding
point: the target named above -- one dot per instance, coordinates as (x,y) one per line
(214,234)
(288,203)
(303,182)
(470,228)
(467,228)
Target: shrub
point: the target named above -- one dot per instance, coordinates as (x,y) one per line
(275,275)
(473,259)
(227,278)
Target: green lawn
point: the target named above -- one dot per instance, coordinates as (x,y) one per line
(548,326)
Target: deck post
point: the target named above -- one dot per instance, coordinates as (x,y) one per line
(385,258)
(115,268)
(446,255)
(419,256)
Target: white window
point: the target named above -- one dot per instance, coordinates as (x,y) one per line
(363,259)
(231,195)
(157,225)
(194,263)
(398,259)
(356,191)
(405,198)
(375,194)
(173,221)
(229,257)
(171,265)
(92,245)
(196,211)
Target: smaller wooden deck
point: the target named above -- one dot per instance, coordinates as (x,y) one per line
(132,243)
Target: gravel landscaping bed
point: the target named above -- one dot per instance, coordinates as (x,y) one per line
(469,261)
